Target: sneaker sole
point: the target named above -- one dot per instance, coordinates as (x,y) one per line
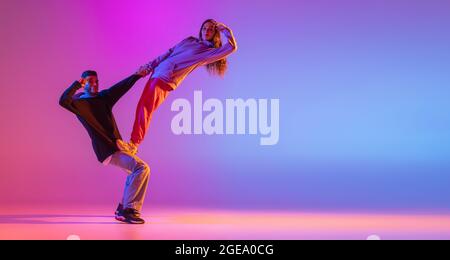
(134,222)
(124,220)
(119,218)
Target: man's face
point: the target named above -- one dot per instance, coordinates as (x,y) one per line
(91,86)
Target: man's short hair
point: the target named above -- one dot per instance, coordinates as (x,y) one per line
(89,73)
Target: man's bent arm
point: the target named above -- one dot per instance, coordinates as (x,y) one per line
(66,99)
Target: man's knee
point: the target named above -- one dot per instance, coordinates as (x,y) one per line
(144,169)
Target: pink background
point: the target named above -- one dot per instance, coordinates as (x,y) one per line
(363,87)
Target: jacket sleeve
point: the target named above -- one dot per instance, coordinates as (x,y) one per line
(66,99)
(116,92)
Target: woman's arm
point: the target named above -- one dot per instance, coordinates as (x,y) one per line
(217,54)
(225,30)
(154,63)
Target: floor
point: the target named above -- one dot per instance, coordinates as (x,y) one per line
(195,224)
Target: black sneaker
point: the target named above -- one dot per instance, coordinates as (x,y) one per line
(130,216)
(119,213)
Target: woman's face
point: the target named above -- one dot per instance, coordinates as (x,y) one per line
(208,31)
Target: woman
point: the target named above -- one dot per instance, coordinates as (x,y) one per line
(171,68)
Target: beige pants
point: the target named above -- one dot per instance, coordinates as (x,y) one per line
(137,180)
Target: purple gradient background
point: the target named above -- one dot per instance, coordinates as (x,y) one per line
(364,90)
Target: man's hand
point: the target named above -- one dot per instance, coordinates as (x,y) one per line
(144,71)
(82,82)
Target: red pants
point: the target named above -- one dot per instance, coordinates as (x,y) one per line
(155,92)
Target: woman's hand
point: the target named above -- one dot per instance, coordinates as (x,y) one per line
(225,30)
(221,27)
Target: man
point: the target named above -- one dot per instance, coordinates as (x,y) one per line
(94,110)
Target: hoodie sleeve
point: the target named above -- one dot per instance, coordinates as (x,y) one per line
(154,63)
(216,54)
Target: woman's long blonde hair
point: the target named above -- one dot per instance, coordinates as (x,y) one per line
(221,66)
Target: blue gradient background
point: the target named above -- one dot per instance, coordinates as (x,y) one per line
(363,88)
